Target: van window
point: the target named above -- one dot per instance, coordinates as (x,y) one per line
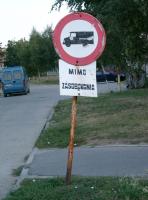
(17,75)
(7,76)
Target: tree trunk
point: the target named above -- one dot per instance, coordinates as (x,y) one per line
(136,80)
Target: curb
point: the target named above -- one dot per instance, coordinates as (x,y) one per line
(24,172)
(35,150)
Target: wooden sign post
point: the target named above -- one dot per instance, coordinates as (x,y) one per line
(71,139)
(79,39)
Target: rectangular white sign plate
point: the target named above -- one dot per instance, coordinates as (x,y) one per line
(77,80)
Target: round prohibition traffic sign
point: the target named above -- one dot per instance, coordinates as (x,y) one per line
(79,38)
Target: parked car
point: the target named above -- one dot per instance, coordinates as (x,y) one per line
(109,76)
(15,80)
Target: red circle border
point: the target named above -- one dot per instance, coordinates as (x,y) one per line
(99,48)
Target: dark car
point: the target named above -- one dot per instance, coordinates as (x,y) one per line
(108,76)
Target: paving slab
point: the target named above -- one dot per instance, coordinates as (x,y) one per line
(98,161)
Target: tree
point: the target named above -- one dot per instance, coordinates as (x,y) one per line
(50,54)
(37,55)
(126,26)
(11,54)
(43,56)
(23,53)
(35,43)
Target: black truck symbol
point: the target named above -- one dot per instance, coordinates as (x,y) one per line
(79,37)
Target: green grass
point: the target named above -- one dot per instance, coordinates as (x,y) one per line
(82,189)
(112,118)
(17,172)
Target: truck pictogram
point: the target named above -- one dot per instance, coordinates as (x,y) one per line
(79,37)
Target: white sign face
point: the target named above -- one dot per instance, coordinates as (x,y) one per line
(79,38)
(77,80)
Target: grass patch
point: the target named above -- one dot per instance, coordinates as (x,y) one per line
(17,172)
(111,118)
(106,188)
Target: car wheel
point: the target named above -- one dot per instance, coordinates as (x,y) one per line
(25,92)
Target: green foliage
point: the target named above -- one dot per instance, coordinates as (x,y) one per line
(125,22)
(11,54)
(126,26)
(37,55)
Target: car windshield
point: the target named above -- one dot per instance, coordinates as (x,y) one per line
(7,76)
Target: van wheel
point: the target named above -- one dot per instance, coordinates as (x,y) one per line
(5,95)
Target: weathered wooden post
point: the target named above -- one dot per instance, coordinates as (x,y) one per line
(79,39)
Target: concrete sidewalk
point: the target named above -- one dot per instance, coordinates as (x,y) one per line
(127,160)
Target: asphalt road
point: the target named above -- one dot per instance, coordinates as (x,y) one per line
(22,118)
(21,121)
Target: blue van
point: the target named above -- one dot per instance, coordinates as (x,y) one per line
(15,80)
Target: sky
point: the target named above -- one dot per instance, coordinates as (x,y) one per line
(18,17)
